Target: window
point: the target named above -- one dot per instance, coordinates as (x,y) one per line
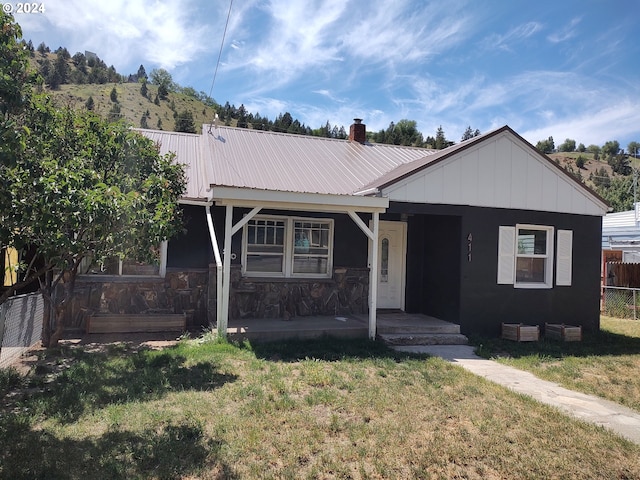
(526,253)
(533,255)
(128,267)
(287,247)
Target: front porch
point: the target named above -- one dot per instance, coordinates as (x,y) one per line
(395,328)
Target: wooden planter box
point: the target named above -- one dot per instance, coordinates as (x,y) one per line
(560,331)
(520,333)
(140,323)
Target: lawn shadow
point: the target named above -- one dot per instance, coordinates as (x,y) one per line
(602,343)
(327,348)
(176,451)
(115,375)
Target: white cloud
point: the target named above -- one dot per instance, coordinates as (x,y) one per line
(565,33)
(513,36)
(166,33)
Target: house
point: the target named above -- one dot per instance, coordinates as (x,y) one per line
(486,231)
(620,241)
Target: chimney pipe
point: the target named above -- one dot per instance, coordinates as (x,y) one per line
(358,131)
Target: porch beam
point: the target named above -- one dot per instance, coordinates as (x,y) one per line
(363,226)
(373,277)
(245,220)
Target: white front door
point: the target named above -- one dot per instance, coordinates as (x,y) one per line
(392,249)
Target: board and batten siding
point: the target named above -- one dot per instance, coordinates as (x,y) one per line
(501,172)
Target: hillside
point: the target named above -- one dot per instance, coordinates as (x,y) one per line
(133,105)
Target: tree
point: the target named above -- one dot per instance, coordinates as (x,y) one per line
(582,148)
(568,145)
(611,148)
(142,74)
(580,161)
(441,141)
(633,148)
(115,113)
(87,189)
(143,88)
(619,193)
(620,164)
(89,104)
(469,133)
(114,95)
(184,122)
(73,185)
(546,146)
(163,80)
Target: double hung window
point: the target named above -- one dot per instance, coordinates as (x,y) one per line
(526,256)
(287,247)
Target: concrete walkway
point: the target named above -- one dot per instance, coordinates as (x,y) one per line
(622,420)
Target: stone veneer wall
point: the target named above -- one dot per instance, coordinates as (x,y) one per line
(346,292)
(179,292)
(194,292)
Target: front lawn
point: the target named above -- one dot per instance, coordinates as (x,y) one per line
(606,364)
(319,409)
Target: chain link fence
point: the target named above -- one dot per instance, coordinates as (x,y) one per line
(20,326)
(621,302)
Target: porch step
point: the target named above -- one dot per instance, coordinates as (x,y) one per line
(424,338)
(431,327)
(136,323)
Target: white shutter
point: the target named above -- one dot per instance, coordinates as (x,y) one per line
(563,260)
(506,255)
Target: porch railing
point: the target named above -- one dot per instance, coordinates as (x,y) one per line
(20,326)
(620,302)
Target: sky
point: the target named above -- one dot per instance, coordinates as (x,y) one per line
(561,68)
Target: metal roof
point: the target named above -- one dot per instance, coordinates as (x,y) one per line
(224,156)
(239,157)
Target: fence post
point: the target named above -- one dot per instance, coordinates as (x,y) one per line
(634,303)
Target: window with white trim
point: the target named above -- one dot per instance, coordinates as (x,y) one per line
(276,246)
(526,253)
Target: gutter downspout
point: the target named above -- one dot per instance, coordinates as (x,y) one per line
(218,259)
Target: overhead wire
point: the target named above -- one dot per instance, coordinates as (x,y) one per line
(224,35)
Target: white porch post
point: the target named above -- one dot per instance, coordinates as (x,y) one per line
(216,255)
(223,320)
(373,278)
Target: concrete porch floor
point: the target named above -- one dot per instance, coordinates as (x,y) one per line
(343,326)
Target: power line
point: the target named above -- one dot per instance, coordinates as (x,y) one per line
(224,34)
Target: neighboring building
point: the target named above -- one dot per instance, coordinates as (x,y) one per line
(621,232)
(483,232)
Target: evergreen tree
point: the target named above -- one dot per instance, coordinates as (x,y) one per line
(441,140)
(143,88)
(114,95)
(469,133)
(142,74)
(114,113)
(89,104)
(143,122)
(184,122)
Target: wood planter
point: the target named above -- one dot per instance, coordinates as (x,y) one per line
(560,331)
(520,333)
(136,323)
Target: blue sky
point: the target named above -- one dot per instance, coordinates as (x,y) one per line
(561,68)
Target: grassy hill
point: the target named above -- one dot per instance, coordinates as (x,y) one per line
(133,105)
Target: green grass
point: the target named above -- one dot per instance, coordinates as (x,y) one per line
(302,409)
(604,363)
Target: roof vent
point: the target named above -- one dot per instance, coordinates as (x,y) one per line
(358,131)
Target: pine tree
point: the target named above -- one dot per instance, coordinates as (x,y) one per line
(143,88)
(89,104)
(184,122)
(114,95)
